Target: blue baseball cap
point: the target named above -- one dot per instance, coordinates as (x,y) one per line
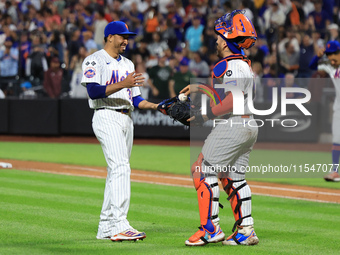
(332,46)
(184,62)
(117,28)
(26,85)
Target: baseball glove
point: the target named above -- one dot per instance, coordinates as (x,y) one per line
(177,110)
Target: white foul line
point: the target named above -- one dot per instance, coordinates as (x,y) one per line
(189,186)
(84,168)
(297,190)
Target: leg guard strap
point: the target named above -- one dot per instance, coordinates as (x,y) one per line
(215,199)
(213,185)
(213,217)
(230,183)
(208,175)
(235,239)
(235,190)
(239,203)
(204,240)
(239,221)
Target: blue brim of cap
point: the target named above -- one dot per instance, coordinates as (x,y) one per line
(127,33)
(330,52)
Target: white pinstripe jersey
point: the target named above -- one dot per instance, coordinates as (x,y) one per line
(334,73)
(240,74)
(103,69)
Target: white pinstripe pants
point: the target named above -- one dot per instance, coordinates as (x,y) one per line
(230,145)
(335,127)
(114,131)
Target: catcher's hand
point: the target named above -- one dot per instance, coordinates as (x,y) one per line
(196,118)
(177,110)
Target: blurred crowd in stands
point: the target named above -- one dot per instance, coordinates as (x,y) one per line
(43,42)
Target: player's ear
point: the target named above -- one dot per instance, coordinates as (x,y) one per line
(110,38)
(224,44)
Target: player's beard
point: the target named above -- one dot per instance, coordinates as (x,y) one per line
(219,50)
(121,49)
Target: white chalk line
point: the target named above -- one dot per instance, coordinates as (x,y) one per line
(259,194)
(297,190)
(190,186)
(85,168)
(297,198)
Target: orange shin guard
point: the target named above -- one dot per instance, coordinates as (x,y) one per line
(204,195)
(235,198)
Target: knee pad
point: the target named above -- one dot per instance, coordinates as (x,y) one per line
(196,172)
(237,194)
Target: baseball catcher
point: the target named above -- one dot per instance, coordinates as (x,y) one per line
(227,145)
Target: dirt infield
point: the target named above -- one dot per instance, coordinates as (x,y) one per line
(92,139)
(259,188)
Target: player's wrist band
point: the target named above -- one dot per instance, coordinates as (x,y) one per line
(136,100)
(210,114)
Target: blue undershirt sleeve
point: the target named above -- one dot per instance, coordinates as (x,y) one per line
(314,63)
(95,90)
(136,100)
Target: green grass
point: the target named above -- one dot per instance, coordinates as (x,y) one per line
(56,214)
(172,159)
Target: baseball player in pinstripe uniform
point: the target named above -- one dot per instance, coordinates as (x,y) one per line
(113,88)
(332,52)
(227,145)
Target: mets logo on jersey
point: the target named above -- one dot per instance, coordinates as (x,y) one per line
(337,73)
(90,72)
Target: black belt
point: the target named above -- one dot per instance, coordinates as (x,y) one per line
(124,111)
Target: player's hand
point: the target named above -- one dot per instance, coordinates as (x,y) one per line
(155,92)
(204,117)
(196,117)
(320,52)
(134,80)
(192,88)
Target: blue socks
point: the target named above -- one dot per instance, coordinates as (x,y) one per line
(335,156)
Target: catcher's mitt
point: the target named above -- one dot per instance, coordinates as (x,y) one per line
(177,110)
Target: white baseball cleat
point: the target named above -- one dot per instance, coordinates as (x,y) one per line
(332,177)
(203,237)
(244,235)
(129,235)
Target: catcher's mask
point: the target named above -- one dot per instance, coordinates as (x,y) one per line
(237,30)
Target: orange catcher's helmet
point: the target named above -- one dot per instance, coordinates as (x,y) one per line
(236,28)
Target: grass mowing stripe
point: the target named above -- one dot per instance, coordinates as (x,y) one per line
(51,189)
(48,178)
(53,219)
(143,156)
